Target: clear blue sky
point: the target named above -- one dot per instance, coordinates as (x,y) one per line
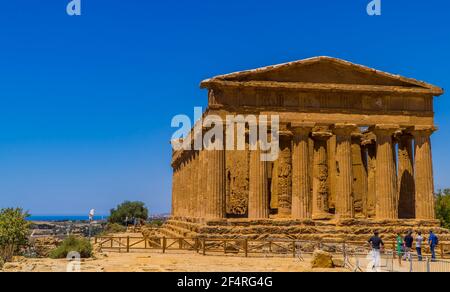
(86,102)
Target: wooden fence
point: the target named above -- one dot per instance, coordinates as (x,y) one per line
(245,247)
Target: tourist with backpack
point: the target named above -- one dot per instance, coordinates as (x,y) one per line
(433,241)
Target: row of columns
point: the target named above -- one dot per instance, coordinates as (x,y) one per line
(199,188)
(199,180)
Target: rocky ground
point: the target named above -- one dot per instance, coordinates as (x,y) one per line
(43,229)
(171,262)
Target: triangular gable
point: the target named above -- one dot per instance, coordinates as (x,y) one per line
(326,71)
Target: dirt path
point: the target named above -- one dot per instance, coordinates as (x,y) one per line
(170,262)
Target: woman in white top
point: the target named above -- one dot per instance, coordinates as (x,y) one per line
(419,240)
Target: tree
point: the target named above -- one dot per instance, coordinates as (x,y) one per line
(443,207)
(128,211)
(14,230)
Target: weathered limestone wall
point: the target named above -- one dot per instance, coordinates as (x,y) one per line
(283,182)
(237,175)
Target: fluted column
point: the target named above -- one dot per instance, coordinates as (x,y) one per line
(332,172)
(182,197)
(191,174)
(345,198)
(216,184)
(425,204)
(202,194)
(320,180)
(258,204)
(386,176)
(369,143)
(407,193)
(284,175)
(301,190)
(196,170)
(359,175)
(174,190)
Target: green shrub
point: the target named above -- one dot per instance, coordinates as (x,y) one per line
(14,230)
(128,210)
(155,223)
(113,228)
(443,208)
(72,244)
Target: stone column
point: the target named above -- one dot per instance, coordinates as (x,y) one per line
(216,188)
(182,196)
(284,175)
(423,167)
(345,198)
(175,189)
(386,176)
(258,201)
(301,190)
(202,194)
(191,179)
(359,176)
(407,193)
(196,170)
(332,174)
(369,143)
(320,176)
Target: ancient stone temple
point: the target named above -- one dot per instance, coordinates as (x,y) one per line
(355,152)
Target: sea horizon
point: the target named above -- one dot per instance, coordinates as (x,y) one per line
(56,218)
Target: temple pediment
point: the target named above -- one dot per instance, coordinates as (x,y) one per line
(323,73)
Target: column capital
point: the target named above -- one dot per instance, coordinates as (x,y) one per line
(344,129)
(357,136)
(369,138)
(302,128)
(421,131)
(322,135)
(285,133)
(385,129)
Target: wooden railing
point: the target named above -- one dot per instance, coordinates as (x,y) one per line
(294,248)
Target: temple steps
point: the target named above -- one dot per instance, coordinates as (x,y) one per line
(176,228)
(351,230)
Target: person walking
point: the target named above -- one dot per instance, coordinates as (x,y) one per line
(399,245)
(377,245)
(419,241)
(409,240)
(433,241)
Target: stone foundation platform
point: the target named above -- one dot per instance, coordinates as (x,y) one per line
(333,230)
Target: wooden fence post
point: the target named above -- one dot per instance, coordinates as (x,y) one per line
(128,244)
(204,246)
(442,252)
(164,244)
(246,247)
(293,249)
(197,243)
